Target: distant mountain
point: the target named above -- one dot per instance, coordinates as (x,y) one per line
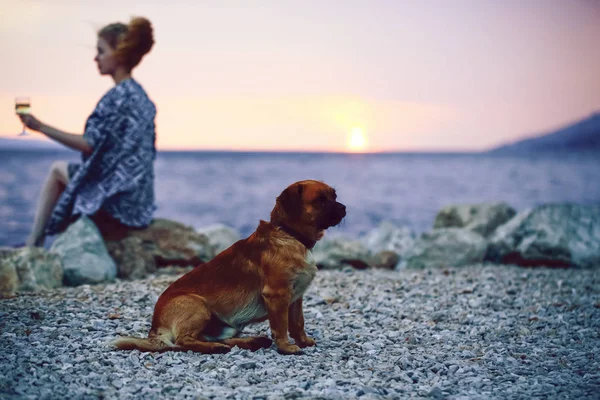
(28,143)
(580,136)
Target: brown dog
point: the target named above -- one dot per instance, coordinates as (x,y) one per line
(258,278)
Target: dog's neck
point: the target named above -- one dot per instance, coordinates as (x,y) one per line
(305,240)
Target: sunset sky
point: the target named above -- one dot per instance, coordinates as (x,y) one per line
(307,75)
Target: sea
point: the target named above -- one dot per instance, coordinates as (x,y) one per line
(239,188)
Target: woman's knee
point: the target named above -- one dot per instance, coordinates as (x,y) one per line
(59,170)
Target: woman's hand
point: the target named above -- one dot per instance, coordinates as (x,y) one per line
(31,122)
(76,142)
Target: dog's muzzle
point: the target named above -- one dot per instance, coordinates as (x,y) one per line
(336,213)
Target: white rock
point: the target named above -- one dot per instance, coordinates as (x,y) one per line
(83,254)
(339,251)
(551,235)
(220,236)
(29,269)
(447,247)
(482,218)
(388,236)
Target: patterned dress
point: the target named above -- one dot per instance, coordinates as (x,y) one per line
(118,176)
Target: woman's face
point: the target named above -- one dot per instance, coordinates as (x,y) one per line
(105,59)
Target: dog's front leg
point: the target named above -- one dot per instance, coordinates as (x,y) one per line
(277,302)
(296,323)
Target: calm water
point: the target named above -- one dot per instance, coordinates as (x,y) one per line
(238,189)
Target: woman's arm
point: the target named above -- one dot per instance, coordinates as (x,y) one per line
(76,142)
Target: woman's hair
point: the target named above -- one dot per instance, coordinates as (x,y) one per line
(130,42)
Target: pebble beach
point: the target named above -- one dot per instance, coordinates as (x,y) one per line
(480,331)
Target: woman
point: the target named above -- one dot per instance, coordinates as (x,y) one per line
(114,183)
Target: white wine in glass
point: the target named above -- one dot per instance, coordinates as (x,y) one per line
(23,106)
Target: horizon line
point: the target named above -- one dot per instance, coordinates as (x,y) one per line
(271,151)
(61,147)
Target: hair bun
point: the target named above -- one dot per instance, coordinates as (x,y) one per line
(140,31)
(137,42)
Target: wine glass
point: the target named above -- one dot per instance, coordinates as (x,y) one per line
(22,106)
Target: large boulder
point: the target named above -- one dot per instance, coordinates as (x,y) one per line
(340,251)
(481,218)
(164,243)
(38,269)
(134,258)
(28,269)
(174,243)
(219,236)
(83,253)
(388,243)
(554,235)
(389,237)
(446,247)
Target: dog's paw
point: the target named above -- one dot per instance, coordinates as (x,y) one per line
(306,342)
(257,343)
(263,342)
(219,348)
(289,349)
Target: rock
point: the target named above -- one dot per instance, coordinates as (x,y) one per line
(133,258)
(83,254)
(164,243)
(220,236)
(436,393)
(29,269)
(38,269)
(559,235)
(388,237)
(340,251)
(173,243)
(385,259)
(248,365)
(445,247)
(9,280)
(482,218)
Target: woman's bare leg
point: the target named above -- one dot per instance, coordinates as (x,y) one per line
(53,187)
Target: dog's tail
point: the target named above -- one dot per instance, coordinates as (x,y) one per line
(149,344)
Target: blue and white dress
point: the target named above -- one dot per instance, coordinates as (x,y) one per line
(118,176)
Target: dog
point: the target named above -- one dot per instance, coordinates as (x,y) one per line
(261,277)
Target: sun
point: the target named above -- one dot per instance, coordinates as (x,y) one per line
(357,141)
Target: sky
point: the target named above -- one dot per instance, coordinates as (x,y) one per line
(305,75)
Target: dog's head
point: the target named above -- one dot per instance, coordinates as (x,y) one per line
(308,207)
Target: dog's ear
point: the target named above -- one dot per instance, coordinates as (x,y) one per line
(289,203)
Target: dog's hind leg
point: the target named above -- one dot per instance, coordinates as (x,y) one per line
(190,343)
(187,316)
(249,343)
